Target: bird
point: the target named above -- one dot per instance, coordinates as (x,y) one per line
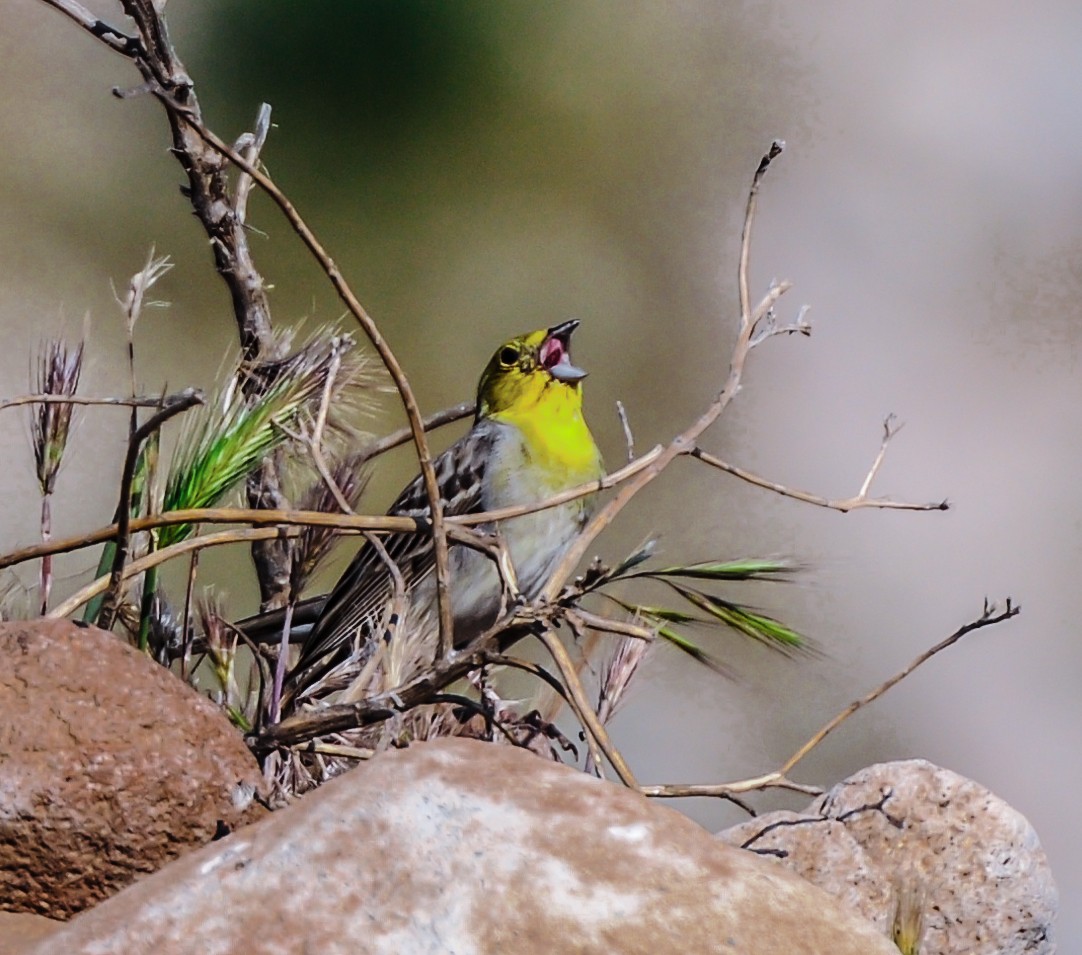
(529,441)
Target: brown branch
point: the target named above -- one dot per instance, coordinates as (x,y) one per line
(727,790)
(458,527)
(609,480)
(136,402)
(990,616)
(860,500)
(596,735)
(116,40)
(154,558)
(686,440)
(257,517)
(629,438)
(403,435)
(340,717)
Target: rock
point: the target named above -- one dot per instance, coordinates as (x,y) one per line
(21,931)
(972,864)
(469,847)
(109,767)
(823,852)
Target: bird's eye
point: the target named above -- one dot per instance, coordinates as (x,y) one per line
(508,355)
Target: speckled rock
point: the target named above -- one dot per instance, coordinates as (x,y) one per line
(973,864)
(477,849)
(109,767)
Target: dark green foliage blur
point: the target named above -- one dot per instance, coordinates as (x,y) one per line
(369,78)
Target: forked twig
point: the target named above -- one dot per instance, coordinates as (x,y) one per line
(686,440)
(858,501)
(990,616)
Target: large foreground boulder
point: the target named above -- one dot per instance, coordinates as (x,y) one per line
(468,847)
(110,767)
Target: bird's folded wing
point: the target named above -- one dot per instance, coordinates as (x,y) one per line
(359,597)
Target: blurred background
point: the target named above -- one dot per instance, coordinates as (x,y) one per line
(482,169)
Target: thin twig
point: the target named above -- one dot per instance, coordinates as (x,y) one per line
(171,407)
(890,429)
(609,480)
(629,438)
(595,731)
(727,790)
(116,40)
(157,557)
(142,401)
(403,435)
(686,440)
(458,527)
(990,616)
(257,517)
(340,717)
(749,218)
(186,629)
(314,441)
(861,500)
(250,145)
(623,628)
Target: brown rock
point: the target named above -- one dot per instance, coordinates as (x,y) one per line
(109,767)
(469,847)
(973,865)
(21,931)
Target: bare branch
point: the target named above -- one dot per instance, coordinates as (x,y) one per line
(860,500)
(596,733)
(141,401)
(990,615)
(771,154)
(768,326)
(686,440)
(397,438)
(727,790)
(158,557)
(571,494)
(458,527)
(116,40)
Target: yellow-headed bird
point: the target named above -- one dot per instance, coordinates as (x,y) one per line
(528,442)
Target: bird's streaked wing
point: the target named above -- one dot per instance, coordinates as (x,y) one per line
(358,599)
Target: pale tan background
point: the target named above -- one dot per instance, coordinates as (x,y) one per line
(517,164)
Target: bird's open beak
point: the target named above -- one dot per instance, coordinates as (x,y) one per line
(555,353)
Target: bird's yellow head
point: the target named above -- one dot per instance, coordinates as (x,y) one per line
(530,371)
(531,383)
